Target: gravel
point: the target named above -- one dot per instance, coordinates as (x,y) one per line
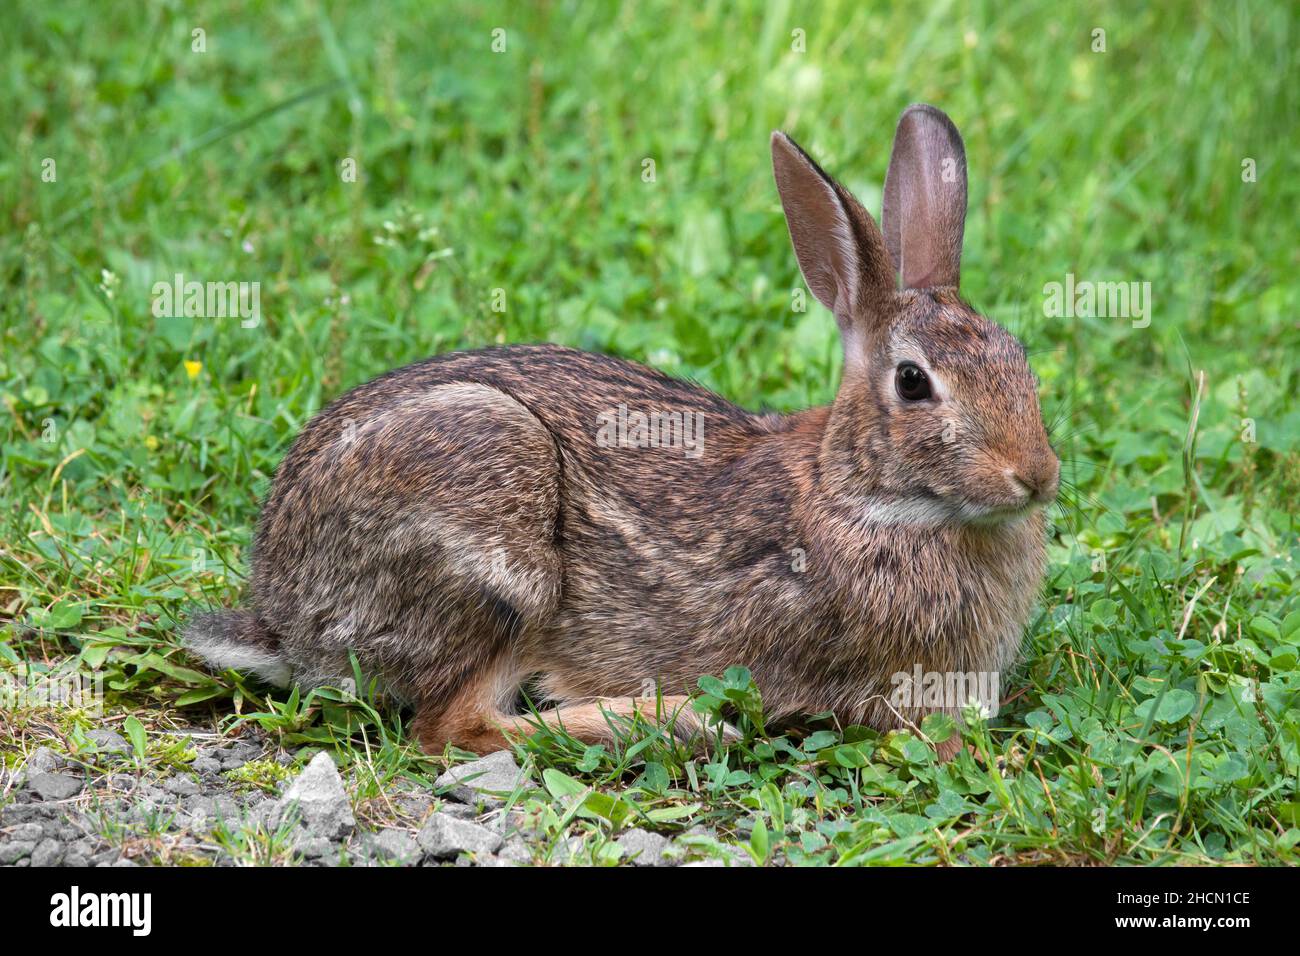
(42,760)
(53,786)
(514,851)
(182,785)
(98,809)
(47,853)
(11,851)
(395,846)
(313,847)
(27,833)
(320,799)
(207,765)
(643,848)
(445,837)
(489,780)
(109,742)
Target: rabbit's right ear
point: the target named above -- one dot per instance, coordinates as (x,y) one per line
(841,251)
(924,212)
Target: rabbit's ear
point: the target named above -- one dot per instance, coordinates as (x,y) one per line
(839,247)
(924,213)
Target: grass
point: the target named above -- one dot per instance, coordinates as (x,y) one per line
(503,197)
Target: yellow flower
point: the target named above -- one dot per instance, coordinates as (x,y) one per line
(192,369)
(151,442)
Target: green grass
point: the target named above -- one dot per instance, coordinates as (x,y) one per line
(1154,717)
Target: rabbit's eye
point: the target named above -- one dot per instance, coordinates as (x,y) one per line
(912,383)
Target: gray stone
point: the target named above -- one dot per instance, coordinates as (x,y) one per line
(109,742)
(27,833)
(489,779)
(181,784)
(507,824)
(148,793)
(11,851)
(204,812)
(395,846)
(643,848)
(313,847)
(56,831)
(267,811)
(218,805)
(47,853)
(414,804)
(235,756)
(53,786)
(206,765)
(43,760)
(514,851)
(238,754)
(443,837)
(23,813)
(457,810)
(322,803)
(201,805)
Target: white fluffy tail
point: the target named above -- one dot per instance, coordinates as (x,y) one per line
(238,640)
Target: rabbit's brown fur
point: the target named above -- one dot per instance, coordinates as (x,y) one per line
(456,524)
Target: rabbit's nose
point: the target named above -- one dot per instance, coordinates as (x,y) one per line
(1039,477)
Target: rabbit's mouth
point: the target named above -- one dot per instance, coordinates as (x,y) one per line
(985,515)
(1021,499)
(1002,514)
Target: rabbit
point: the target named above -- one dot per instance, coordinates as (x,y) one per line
(460,526)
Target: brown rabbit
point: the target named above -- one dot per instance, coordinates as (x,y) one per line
(536,513)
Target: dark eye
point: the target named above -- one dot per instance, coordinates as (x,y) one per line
(912,383)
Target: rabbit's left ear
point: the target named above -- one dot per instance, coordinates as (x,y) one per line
(924,213)
(840,249)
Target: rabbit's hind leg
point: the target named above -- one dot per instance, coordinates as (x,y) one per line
(606,718)
(418,534)
(476,721)
(472,719)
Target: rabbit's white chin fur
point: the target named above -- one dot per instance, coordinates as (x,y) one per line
(927,511)
(998,515)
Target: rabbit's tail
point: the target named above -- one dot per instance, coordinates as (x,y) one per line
(238,640)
